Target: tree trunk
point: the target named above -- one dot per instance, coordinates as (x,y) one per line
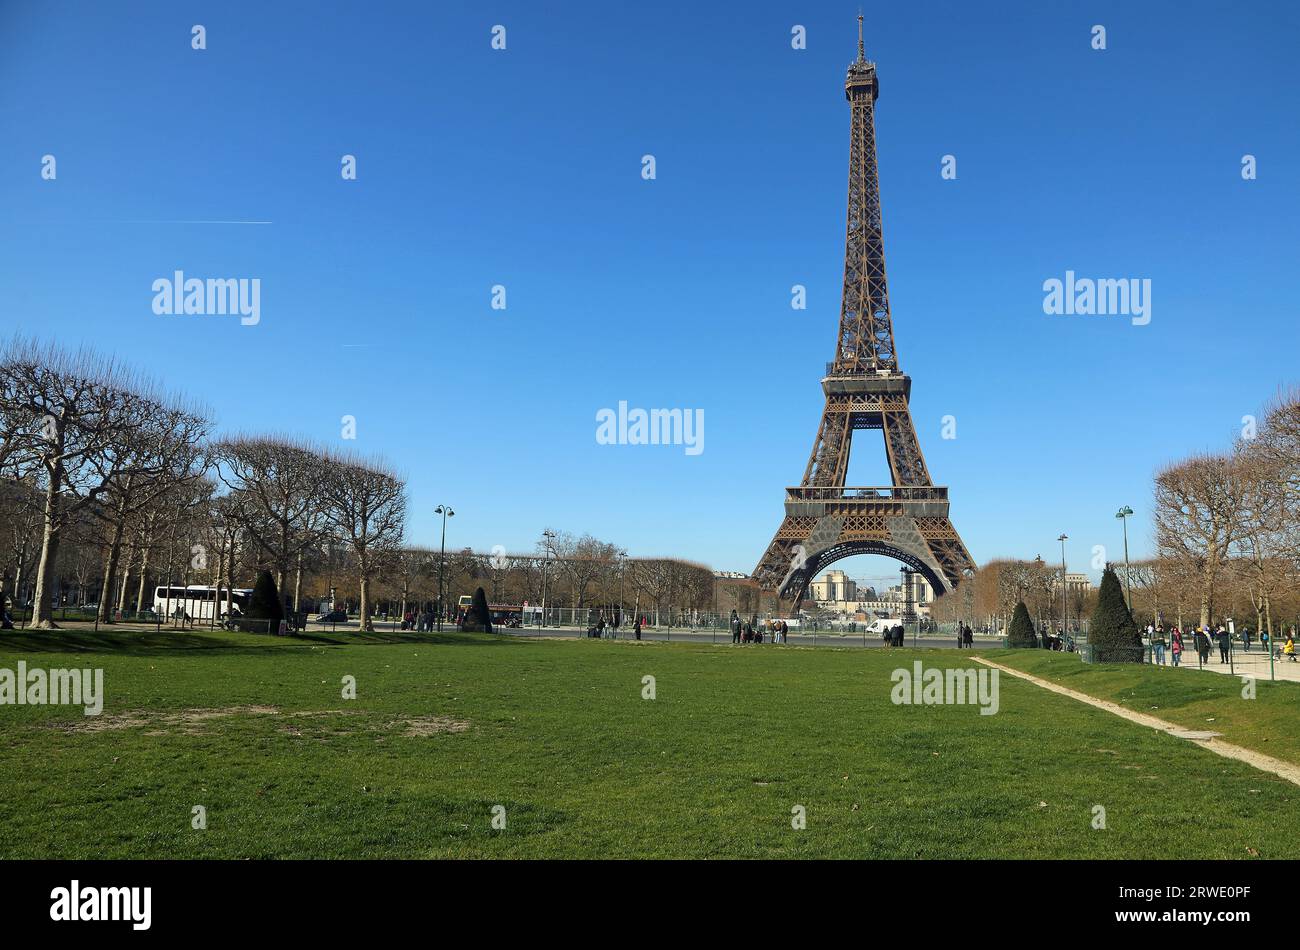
(282,559)
(365,621)
(42,609)
(222,584)
(230,581)
(144,573)
(110,574)
(126,578)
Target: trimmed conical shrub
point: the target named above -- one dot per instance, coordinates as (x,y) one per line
(479,617)
(1112,634)
(1021,632)
(264,611)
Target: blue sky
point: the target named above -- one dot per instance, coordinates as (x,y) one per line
(522,168)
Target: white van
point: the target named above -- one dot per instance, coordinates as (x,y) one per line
(883,624)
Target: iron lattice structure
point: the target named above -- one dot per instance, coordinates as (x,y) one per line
(824,519)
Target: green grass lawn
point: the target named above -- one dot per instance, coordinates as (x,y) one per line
(1197,699)
(557,732)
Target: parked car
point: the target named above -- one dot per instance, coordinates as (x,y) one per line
(334,616)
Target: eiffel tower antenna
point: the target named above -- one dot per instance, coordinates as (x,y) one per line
(825,520)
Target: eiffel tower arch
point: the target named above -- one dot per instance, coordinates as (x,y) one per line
(826,520)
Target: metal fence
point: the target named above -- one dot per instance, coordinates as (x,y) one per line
(145,619)
(1240,657)
(806,635)
(582,618)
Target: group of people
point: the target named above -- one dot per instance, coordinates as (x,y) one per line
(965,636)
(893,636)
(750,631)
(1204,639)
(420,621)
(603,628)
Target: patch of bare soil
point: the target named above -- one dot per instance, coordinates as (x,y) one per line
(317,727)
(429,725)
(186,721)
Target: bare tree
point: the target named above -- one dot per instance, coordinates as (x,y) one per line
(166,451)
(84,414)
(582,561)
(20,514)
(366,504)
(279,484)
(414,572)
(1263,546)
(1198,505)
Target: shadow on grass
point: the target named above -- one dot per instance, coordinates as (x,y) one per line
(149,642)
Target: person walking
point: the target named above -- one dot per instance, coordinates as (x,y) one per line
(1175,646)
(969,636)
(637,628)
(1245,638)
(1158,646)
(1225,643)
(735,627)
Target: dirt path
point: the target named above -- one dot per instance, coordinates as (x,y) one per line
(1206,740)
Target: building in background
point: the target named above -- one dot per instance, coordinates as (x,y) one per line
(1078,584)
(842,596)
(834,587)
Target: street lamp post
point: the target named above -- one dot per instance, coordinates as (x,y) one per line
(548,536)
(446,512)
(622,570)
(1123,516)
(1039,575)
(1065,614)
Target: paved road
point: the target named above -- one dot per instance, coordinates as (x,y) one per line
(821,638)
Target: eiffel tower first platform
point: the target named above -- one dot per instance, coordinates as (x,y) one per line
(824,519)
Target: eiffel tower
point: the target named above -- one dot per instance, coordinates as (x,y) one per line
(825,520)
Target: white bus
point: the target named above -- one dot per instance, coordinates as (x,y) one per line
(198,601)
